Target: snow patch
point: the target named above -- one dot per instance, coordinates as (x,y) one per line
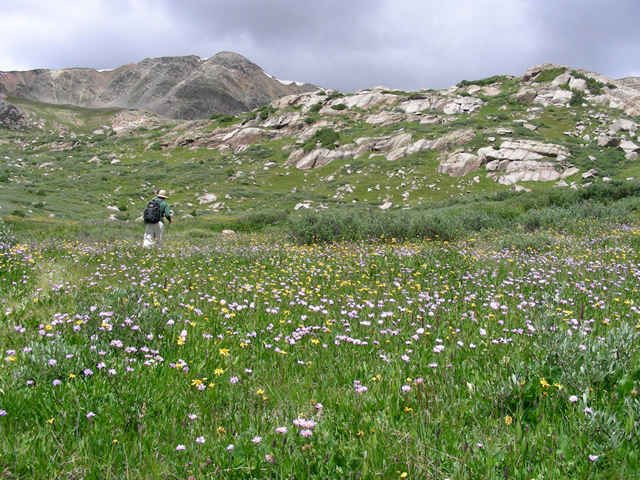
(285,82)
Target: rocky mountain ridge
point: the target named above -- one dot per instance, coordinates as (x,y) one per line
(176,87)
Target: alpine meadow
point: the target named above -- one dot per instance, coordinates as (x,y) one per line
(384,284)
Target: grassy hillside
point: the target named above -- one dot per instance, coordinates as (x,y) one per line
(47,170)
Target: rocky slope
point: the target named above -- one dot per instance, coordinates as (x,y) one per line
(554,127)
(507,158)
(176,87)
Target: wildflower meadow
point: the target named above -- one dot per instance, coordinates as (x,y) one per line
(255,356)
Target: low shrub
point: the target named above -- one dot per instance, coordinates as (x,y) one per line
(256,221)
(578,98)
(348,226)
(315,108)
(326,136)
(483,82)
(222,118)
(549,74)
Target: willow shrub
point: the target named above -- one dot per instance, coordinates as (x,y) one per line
(340,226)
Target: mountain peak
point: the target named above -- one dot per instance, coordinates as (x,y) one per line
(186,87)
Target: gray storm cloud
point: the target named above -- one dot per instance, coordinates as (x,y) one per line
(407,44)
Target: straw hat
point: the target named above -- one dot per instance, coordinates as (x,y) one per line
(162,194)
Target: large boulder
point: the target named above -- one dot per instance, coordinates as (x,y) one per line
(245,136)
(446,142)
(529,171)
(459,164)
(520,150)
(364,101)
(385,119)
(553,96)
(288,120)
(604,141)
(570,172)
(622,124)
(628,147)
(578,84)
(13,117)
(452,139)
(410,149)
(393,143)
(207,198)
(463,105)
(322,156)
(526,95)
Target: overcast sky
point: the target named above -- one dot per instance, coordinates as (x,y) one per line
(342,44)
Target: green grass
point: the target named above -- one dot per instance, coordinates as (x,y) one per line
(549,74)
(341,335)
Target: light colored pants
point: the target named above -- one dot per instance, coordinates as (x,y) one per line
(153,235)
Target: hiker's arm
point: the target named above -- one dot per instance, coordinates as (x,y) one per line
(166,211)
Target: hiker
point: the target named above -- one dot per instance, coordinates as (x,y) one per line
(156,210)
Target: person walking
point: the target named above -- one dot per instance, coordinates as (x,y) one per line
(157,209)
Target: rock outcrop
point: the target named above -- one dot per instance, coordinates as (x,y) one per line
(459,164)
(622,94)
(12,117)
(513,161)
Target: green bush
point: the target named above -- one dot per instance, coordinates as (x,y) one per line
(340,106)
(568,218)
(266,111)
(556,210)
(315,108)
(549,74)
(222,118)
(594,86)
(578,98)
(483,82)
(326,136)
(348,226)
(256,221)
(250,116)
